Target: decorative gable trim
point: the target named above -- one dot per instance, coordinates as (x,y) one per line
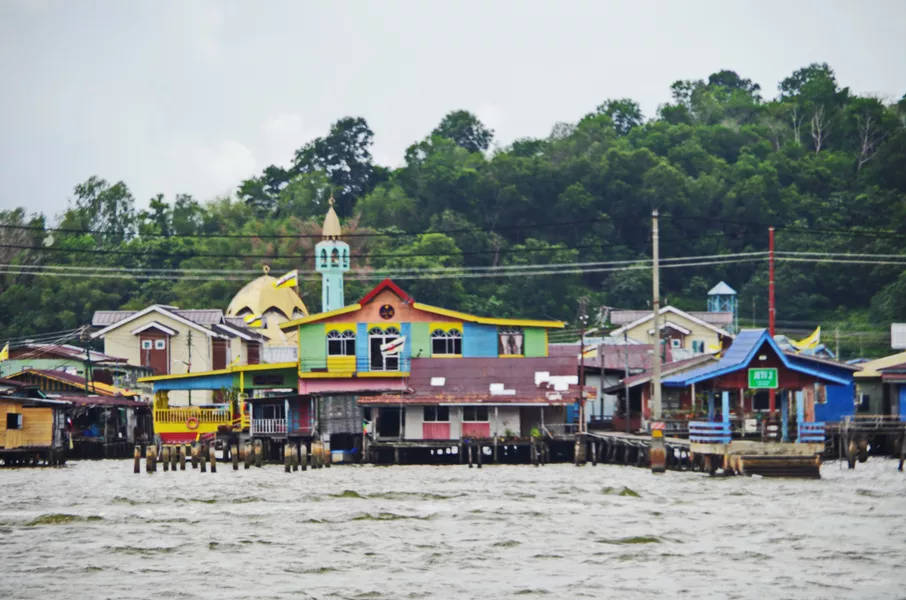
(387,284)
(154,325)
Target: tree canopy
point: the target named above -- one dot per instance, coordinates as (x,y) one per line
(826,167)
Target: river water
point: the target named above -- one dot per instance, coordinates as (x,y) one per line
(96,530)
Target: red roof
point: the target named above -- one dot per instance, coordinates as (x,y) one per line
(387,284)
(487,381)
(119,401)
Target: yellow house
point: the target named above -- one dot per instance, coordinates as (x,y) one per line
(174,341)
(685,334)
(31,429)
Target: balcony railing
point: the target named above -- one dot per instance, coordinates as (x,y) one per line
(217,416)
(708,432)
(336,363)
(811,432)
(268,426)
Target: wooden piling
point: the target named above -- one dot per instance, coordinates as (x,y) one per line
(495,449)
(657,453)
(294,456)
(137,455)
(259,453)
(469,454)
(478,455)
(533,452)
(902,452)
(195,451)
(287,467)
(396,456)
(165,457)
(182,457)
(212,455)
(203,458)
(594,453)
(150,456)
(303,456)
(234,456)
(247,454)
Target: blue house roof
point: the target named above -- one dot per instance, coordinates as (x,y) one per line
(740,354)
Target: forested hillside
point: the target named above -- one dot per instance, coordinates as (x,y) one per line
(721,162)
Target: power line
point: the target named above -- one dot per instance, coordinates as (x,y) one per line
(286,236)
(403,274)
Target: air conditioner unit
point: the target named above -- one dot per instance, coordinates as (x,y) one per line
(675,343)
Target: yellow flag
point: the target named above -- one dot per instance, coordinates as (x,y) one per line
(809,342)
(291,279)
(4,354)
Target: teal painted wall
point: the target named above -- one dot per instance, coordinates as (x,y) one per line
(479,340)
(535,341)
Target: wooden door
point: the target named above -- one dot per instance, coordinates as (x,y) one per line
(219,354)
(155,352)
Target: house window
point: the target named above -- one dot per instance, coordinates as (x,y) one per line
(475,413)
(14,420)
(698,346)
(341,343)
(146,344)
(446,342)
(160,344)
(323,257)
(269,411)
(381,360)
(437,413)
(510,341)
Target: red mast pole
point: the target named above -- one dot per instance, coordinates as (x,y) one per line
(771,309)
(772,404)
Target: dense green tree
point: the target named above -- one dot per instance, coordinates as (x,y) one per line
(465,130)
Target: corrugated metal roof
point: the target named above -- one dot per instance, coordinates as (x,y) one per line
(201,316)
(470,380)
(622,317)
(103,318)
(61,350)
(120,401)
(677,366)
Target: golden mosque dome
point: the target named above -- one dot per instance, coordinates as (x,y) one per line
(260,296)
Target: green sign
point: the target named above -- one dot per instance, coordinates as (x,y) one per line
(762,379)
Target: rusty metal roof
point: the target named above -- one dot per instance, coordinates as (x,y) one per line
(201,316)
(543,381)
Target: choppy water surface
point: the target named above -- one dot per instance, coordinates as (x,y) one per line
(94,529)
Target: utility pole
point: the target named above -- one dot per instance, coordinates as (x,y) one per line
(626,378)
(89,374)
(189,364)
(656,293)
(583,319)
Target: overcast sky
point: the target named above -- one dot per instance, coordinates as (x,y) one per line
(193,96)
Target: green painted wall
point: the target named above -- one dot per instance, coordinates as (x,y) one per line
(8,367)
(312,347)
(268,379)
(535,341)
(421,340)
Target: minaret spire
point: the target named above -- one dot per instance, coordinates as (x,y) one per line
(331,260)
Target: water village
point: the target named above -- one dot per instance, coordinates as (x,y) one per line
(387,379)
